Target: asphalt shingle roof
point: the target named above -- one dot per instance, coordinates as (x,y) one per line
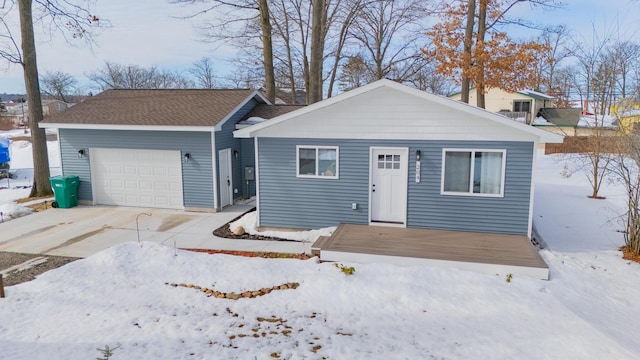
(270,111)
(198,107)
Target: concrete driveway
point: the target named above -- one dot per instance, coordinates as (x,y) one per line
(84,230)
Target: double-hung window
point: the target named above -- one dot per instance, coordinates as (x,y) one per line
(521,105)
(473,172)
(317,161)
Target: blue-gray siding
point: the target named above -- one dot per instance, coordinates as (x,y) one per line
(197,174)
(288,201)
(244,147)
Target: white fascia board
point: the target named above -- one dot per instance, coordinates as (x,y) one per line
(255,94)
(125,127)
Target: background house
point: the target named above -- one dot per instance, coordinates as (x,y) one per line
(17,113)
(523,105)
(629,121)
(387,154)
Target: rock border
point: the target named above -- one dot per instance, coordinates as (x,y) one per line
(235,296)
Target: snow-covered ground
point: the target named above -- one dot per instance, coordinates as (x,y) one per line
(119,297)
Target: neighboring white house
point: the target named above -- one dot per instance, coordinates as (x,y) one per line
(521,105)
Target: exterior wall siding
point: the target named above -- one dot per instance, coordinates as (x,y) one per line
(197,181)
(225,140)
(289,201)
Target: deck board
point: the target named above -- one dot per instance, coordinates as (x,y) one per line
(456,246)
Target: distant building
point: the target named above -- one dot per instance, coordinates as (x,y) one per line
(522,106)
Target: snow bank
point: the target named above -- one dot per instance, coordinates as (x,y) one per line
(249,223)
(12,211)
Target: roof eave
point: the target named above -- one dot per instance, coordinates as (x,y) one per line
(125,127)
(255,94)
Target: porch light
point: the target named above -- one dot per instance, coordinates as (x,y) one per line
(235,154)
(418,155)
(80,153)
(187,157)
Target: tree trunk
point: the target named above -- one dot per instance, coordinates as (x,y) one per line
(482,30)
(41,185)
(267,51)
(468,35)
(317,50)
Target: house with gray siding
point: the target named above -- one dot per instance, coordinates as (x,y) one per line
(386,154)
(159,148)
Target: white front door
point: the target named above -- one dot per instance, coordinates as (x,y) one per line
(389,172)
(225,178)
(137,177)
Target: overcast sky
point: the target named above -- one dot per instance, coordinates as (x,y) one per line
(147,33)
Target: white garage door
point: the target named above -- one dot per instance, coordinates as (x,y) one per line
(133,177)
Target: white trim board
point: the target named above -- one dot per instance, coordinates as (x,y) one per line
(126,127)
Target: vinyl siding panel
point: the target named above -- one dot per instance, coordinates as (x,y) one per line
(288,201)
(225,140)
(197,181)
(388,114)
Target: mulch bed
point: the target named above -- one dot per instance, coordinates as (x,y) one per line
(41,206)
(265,255)
(225,232)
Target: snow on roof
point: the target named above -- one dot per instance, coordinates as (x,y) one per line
(607,121)
(536,94)
(541,121)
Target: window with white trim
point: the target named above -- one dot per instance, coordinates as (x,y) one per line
(317,161)
(473,172)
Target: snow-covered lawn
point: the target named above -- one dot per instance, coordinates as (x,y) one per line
(119,297)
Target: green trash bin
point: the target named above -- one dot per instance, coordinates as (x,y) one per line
(65,191)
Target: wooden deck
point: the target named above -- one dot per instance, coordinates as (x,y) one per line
(491,253)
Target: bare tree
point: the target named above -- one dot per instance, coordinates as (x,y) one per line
(65,17)
(318,26)
(235,22)
(355,73)
(203,72)
(466,53)
(388,31)
(557,41)
(117,76)
(627,57)
(596,147)
(563,86)
(627,170)
(58,84)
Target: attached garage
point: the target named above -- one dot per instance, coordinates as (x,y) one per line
(158,148)
(135,177)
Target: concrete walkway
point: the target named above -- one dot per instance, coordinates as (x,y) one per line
(84,230)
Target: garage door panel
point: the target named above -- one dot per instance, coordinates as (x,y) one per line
(145,171)
(148,178)
(114,169)
(131,185)
(129,170)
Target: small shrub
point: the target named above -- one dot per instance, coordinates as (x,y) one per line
(107,352)
(509,277)
(347,270)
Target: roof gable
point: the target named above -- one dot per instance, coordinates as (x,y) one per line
(388,110)
(155,108)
